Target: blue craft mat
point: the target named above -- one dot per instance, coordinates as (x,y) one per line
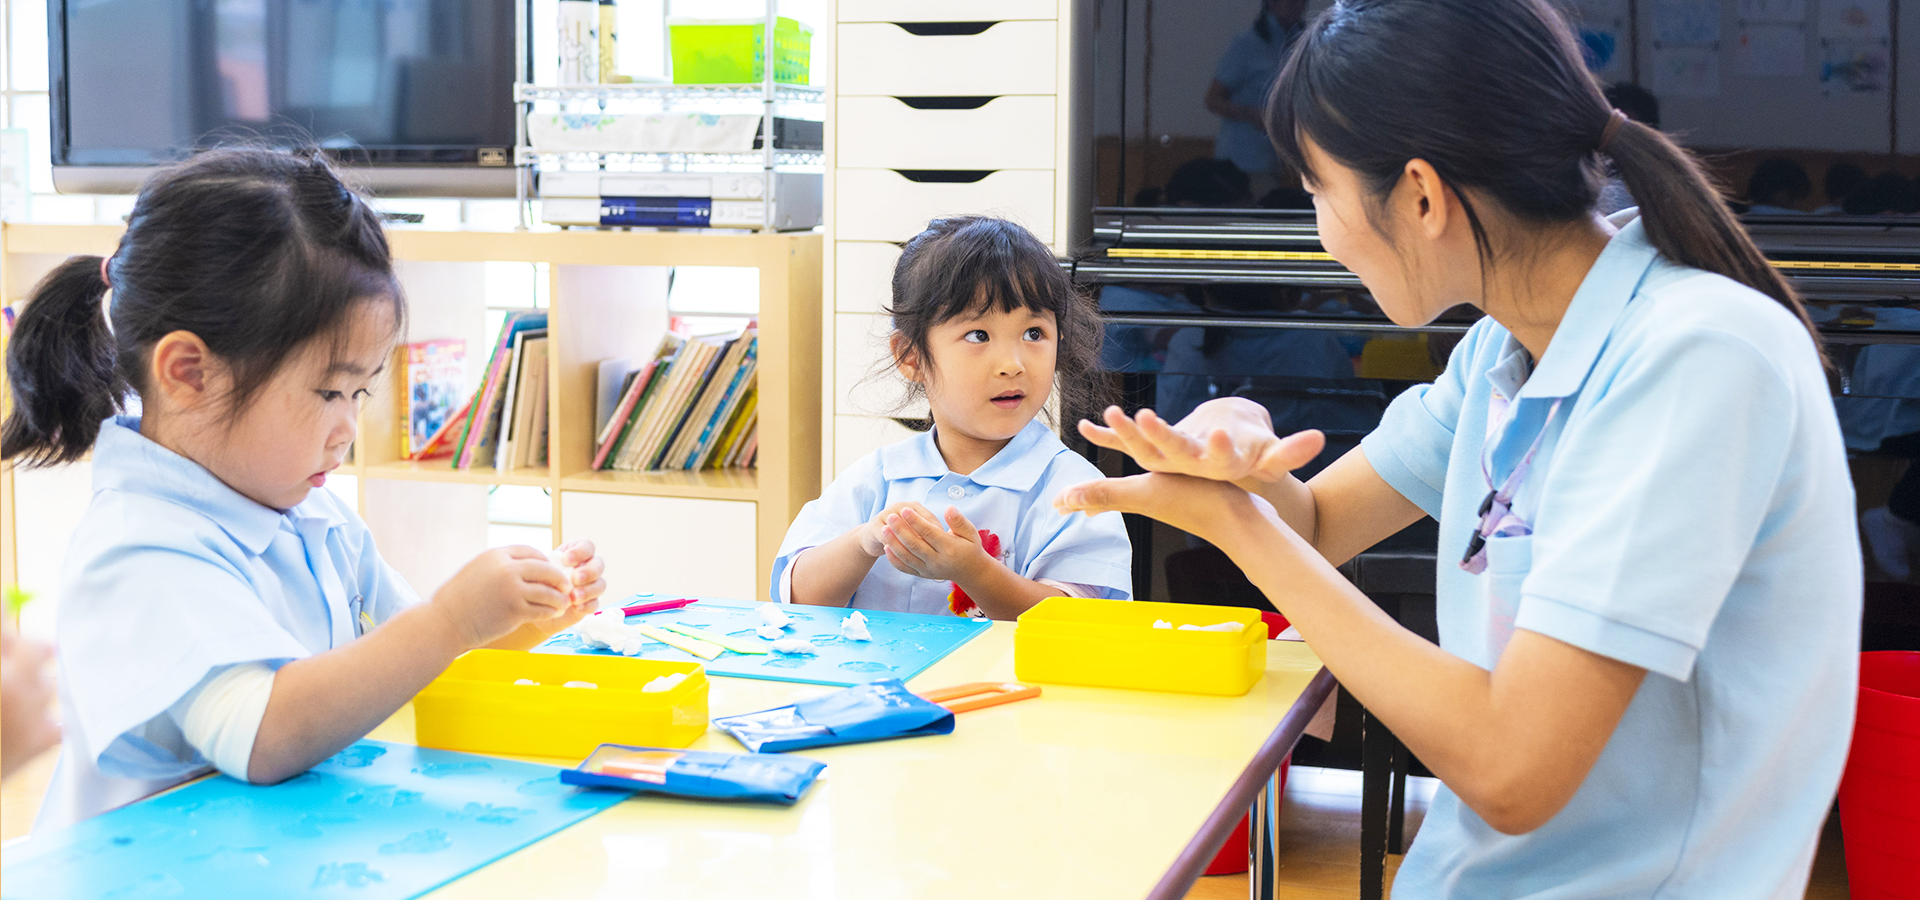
(377,821)
(903,645)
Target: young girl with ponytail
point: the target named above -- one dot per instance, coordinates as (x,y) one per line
(1648,577)
(217,610)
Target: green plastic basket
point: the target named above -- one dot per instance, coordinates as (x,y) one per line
(733,51)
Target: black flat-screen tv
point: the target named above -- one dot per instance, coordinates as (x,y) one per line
(413,96)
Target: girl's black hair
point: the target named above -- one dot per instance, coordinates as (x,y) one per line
(975,264)
(255,251)
(1493,94)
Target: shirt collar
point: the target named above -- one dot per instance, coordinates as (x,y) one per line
(1018,466)
(126,460)
(1612,282)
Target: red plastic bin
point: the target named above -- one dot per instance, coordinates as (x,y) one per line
(1880,793)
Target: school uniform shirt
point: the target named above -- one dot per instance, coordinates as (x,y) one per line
(1010,495)
(172,578)
(1692,515)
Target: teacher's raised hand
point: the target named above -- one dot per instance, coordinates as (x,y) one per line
(1230,439)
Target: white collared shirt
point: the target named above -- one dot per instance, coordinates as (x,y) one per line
(172,577)
(1010,495)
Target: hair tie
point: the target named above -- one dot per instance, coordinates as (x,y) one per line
(1614,121)
(104,279)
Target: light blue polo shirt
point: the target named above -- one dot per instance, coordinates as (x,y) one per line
(1010,495)
(1692,515)
(173,575)
(1248,69)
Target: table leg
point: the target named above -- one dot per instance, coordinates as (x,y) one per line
(1376,763)
(1264,850)
(1397,805)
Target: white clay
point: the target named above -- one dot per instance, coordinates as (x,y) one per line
(1162,623)
(527,682)
(582,684)
(794,647)
(854,627)
(770,632)
(664,683)
(1223,626)
(772,614)
(609,630)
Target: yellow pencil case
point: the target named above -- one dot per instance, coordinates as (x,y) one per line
(1113,643)
(477,706)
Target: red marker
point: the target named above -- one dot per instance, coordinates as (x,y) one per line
(656,606)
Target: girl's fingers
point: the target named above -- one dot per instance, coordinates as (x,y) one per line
(541,572)
(961,528)
(590,570)
(909,538)
(924,527)
(591,592)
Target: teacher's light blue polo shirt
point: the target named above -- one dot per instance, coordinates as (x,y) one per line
(1692,515)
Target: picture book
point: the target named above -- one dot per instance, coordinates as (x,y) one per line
(433,378)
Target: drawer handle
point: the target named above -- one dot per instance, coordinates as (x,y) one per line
(945,29)
(944,176)
(946,102)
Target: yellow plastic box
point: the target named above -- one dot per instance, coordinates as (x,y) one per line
(1112,643)
(476,706)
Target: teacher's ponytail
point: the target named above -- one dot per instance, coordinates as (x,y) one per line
(60,367)
(1495,96)
(1685,217)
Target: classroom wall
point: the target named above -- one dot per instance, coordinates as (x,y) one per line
(1762,95)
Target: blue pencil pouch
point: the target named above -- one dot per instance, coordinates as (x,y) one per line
(866,712)
(696,773)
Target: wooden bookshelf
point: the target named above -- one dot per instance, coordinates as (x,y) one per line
(607,298)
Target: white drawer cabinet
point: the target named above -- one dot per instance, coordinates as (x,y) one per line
(946,10)
(1004,133)
(883,205)
(876,58)
(863,276)
(671,545)
(864,382)
(857,436)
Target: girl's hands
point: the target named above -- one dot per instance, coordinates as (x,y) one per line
(584,565)
(504,588)
(1229,439)
(916,544)
(869,535)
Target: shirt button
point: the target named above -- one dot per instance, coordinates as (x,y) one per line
(956,492)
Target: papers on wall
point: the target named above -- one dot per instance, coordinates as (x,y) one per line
(1766,49)
(1855,46)
(1686,71)
(1604,36)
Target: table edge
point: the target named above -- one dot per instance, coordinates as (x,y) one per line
(1219,824)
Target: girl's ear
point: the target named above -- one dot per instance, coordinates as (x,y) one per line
(181,369)
(905,361)
(1428,201)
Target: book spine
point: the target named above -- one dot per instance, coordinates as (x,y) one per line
(718,416)
(684,414)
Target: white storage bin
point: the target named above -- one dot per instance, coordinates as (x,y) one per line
(947,10)
(1006,58)
(883,205)
(863,276)
(857,436)
(1004,133)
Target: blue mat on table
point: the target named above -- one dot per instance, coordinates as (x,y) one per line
(903,645)
(377,821)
